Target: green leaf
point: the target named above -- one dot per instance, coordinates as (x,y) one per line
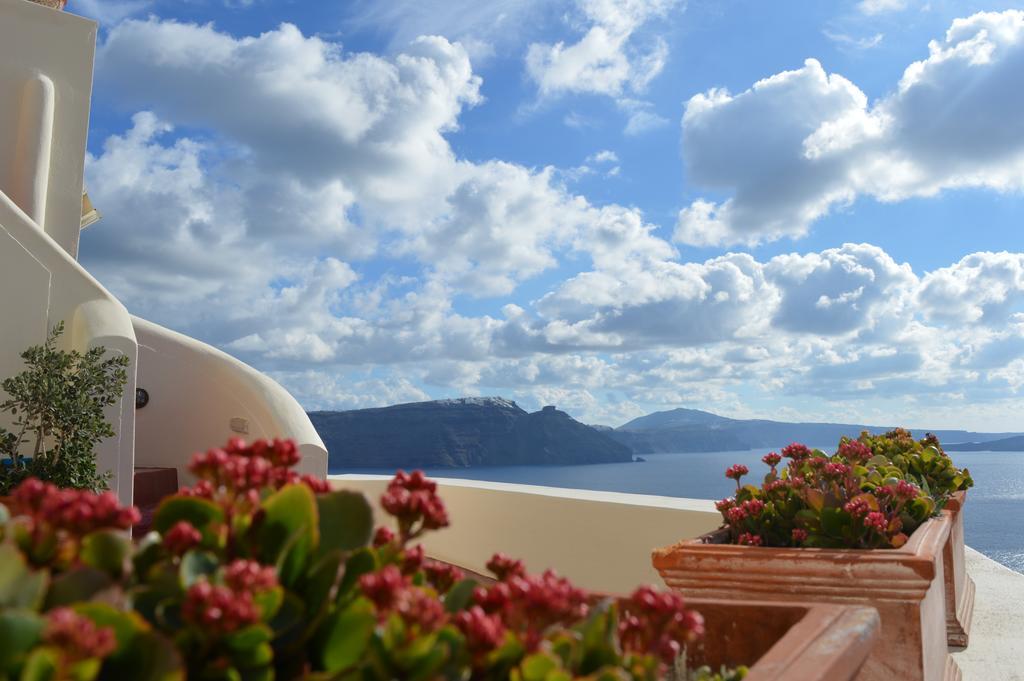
(198,512)
(289,532)
(41,665)
(359,563)
(321,578)
(269,602)
(815,499)
(537,667)
(460,596)
(141,654)
(20,587)
(106,550)
(80,584)
(342,638)
(249,637)
(196,565)
(346,521)
(20,630)
(833,520)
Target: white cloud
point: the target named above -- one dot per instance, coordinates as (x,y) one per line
(800,143)
(335,238)
(603,156)
(983,288)
(848,41)
(872,7)
(606,60)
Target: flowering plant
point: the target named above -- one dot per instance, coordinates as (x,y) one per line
(851,499)
(259,573)
(922,461)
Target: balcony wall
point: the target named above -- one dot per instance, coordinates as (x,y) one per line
(199,397)
(601,540)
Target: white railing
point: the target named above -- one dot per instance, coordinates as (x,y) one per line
(601,540)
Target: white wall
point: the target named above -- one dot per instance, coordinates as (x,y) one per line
(196,390)
(600,540)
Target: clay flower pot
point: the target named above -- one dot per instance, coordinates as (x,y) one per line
(906,586)
(959,586)
(785,641)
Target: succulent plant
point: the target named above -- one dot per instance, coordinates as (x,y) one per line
(922,461)
(850,499)
(257,573)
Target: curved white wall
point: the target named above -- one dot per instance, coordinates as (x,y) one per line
(195,393)
(600,540)
(40,285)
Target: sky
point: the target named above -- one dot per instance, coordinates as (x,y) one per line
(788,210)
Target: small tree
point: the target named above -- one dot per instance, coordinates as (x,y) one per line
(57,404)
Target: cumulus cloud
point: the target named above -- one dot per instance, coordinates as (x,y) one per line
(983,288)
(796,145)
(321,226)
(608,59)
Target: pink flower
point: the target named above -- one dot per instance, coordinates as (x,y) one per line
(753,506)
(737,471)
(249,576)
(442,575)
(218,609)
(412,499)
(906,490)
(505,568)
(876,520)
(77,512)
(483,632)
(724,505)
(182,537)
(799,535)
(796,451)
(657,623)
(772,459)
(856,508)
(854,450)
(749,539)
(835,470)
(736,514)
(383,536)
(77,637)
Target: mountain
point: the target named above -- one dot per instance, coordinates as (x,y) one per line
(692,430)
(1006,444)
(482,431)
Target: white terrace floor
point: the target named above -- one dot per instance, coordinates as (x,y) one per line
(996,652)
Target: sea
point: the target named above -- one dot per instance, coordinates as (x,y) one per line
(993,517)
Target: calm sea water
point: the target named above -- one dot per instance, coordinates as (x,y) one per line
(994,520)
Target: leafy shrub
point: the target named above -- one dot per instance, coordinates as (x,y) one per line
(57,404)
(922,461)
(851,499)
(259,573)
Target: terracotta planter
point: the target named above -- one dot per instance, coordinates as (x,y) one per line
(785,641)
(905,585)
(959,586)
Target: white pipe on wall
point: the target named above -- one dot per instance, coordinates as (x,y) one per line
(30,172)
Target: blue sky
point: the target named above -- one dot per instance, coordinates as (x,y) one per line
(786,210)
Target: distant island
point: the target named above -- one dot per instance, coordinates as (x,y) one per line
(693,430)
(493,431)
(1006,444)
(471,431)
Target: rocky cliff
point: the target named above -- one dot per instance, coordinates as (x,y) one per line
(489,431)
